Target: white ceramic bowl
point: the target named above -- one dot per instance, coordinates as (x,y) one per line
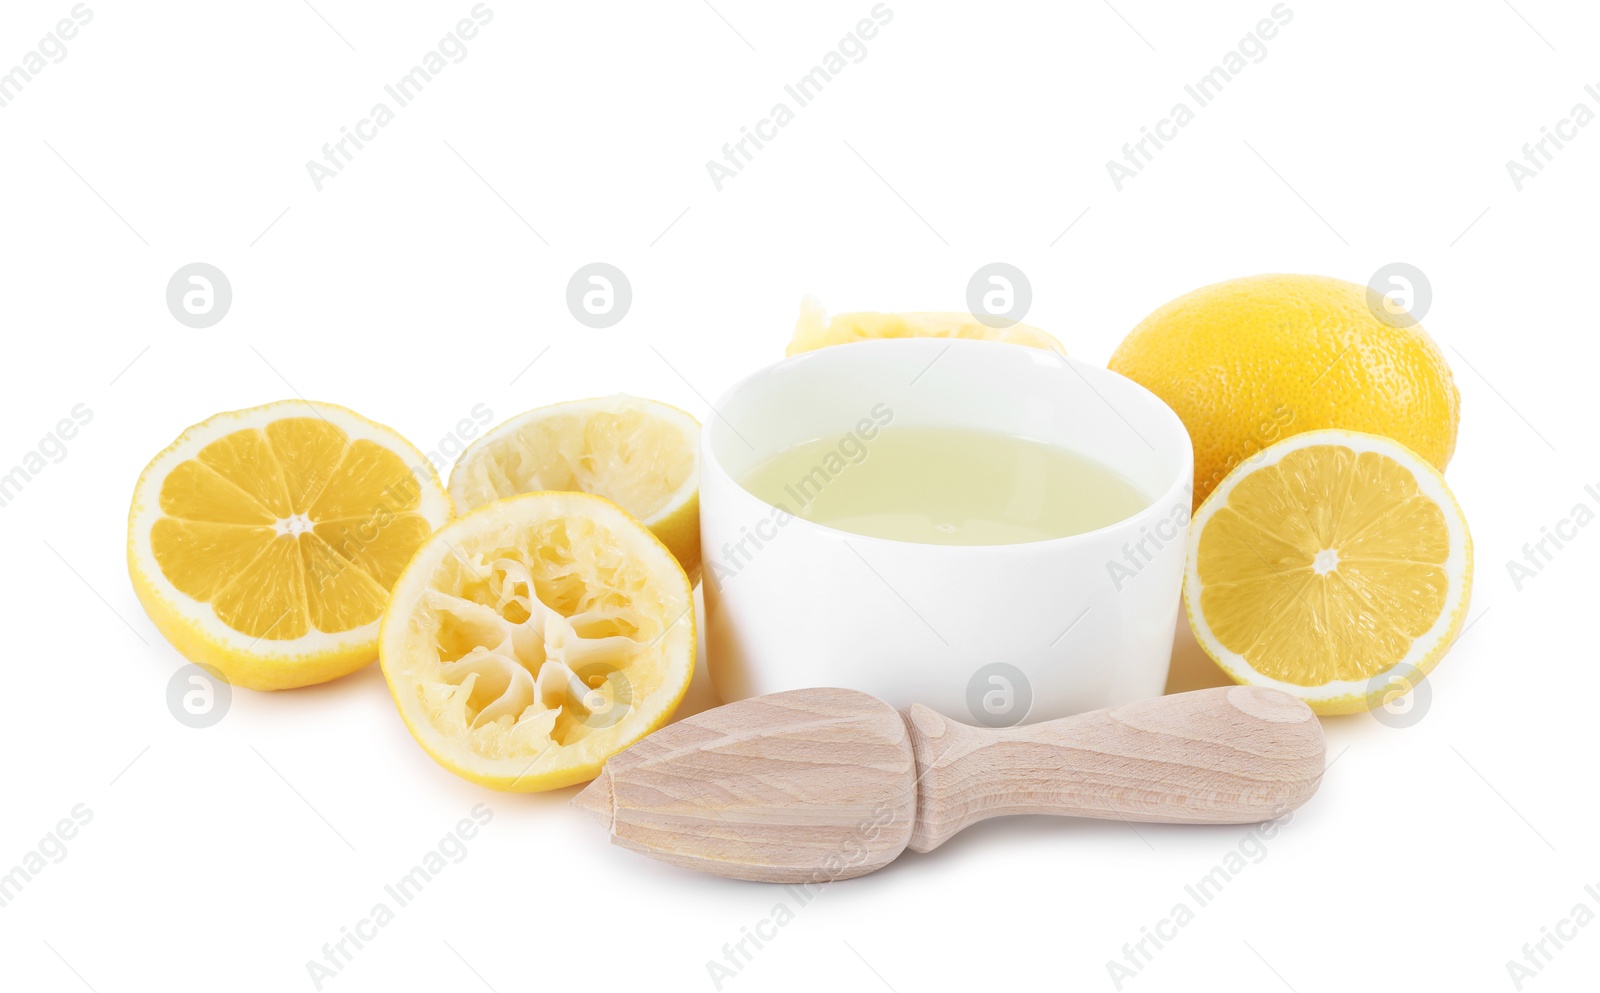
(995,634)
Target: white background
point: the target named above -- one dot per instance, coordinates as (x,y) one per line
(414,286)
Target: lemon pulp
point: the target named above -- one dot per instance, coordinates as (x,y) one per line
(1338,558)
(252,526)
(263,542)
(532,639)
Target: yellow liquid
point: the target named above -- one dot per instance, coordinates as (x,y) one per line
(945,486)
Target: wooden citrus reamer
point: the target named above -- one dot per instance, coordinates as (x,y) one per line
(821,784)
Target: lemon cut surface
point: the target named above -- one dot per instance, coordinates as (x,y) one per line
(1327,563)
(263,542)
(532,639)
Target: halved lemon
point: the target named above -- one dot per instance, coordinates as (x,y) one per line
(815,330)
(263,542)
(1333,565)
(534,638)
(640,454)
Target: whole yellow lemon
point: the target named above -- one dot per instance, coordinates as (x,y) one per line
(1251,361)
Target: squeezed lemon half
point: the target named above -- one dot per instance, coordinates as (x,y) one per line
(640,454)
(537,636)
(815,329)
(1326,563)
(263,542)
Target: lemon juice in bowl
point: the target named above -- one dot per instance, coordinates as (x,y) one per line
(946,486)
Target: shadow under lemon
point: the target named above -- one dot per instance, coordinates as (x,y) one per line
(700,696)
(1192,668)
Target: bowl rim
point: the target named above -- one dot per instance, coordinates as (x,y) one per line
(716,432)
